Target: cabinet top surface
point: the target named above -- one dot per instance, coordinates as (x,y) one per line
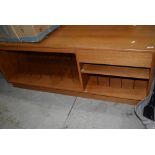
(95,37)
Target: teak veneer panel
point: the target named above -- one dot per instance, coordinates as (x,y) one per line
(116,71)
(70,37)
(133,59)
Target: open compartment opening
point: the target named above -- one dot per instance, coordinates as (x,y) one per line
(116,81)
(117,86)
(52,70)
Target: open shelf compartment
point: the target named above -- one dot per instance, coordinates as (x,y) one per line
(116,81)
(52,70)
(117,87)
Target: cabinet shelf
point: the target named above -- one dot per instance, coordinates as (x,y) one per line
(141,73)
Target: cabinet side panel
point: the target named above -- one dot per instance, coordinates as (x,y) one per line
(152,73)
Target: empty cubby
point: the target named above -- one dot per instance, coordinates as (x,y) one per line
(53,70)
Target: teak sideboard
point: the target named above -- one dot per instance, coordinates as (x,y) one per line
(102,62)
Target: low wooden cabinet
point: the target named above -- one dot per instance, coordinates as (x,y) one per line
(113,74)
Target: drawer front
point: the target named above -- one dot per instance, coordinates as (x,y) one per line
(133,59)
